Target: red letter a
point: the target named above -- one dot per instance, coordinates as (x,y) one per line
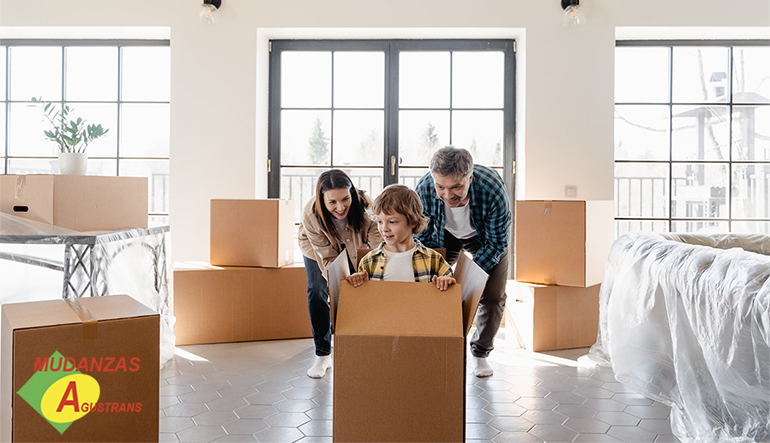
(72,387)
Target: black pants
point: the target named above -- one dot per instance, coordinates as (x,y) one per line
(492,304)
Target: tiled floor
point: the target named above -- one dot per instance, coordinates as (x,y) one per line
(258,391)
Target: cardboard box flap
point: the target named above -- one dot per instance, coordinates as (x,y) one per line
(337,271)
(472,279)
(118,306)
(205,266)
(60,312)
(38,314)
(399,309)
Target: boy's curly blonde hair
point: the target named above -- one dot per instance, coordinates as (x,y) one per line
(399,199)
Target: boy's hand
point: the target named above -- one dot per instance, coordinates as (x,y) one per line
(443,282)
(358,279)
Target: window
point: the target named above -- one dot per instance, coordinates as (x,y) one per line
(121,84)
(378,109)
(692,136)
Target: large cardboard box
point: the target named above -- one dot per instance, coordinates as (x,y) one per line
(252,233)
(95,359)
(229,304)
(399,358)
(547,318)
(563,243)
(83,203)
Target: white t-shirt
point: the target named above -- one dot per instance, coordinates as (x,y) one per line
(458,221)
(399,266)
(340,225)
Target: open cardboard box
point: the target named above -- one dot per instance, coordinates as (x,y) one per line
(79,370)
(399,357)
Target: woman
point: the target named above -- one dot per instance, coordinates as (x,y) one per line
(334,220)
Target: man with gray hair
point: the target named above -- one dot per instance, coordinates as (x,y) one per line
(468,210)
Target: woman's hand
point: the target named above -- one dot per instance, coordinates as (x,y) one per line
(358,279)
(443,282)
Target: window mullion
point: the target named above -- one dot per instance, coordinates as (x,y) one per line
(392,77)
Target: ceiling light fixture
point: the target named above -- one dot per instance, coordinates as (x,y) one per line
(573,14)
(208,12)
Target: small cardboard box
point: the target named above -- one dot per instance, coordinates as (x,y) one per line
(547,318)
(399,358)
(252,233)
(83,203)
(229,304)
(563,243)
(95,358)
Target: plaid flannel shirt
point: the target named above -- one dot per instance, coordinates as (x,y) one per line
(425,262)
(490,215)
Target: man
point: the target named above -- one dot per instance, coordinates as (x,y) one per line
(468,210)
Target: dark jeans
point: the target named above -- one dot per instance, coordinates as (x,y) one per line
(492,303)
(318,306)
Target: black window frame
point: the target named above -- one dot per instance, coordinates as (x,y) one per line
(670,103)
(391,49)
(7,43)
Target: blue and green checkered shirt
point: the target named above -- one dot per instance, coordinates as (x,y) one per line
(490,215)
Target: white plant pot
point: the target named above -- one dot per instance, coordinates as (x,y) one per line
(73,163)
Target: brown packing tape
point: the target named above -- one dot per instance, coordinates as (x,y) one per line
(547,207)
(90,323)
(18,190)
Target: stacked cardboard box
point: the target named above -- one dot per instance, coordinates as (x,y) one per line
(560,251)
(251,289)
(83,203)
(79,370)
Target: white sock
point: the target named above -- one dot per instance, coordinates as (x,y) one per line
(320,366)
(482,367)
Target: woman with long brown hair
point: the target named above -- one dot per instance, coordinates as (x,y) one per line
(333,221)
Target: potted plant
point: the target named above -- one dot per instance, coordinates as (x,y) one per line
(71,134)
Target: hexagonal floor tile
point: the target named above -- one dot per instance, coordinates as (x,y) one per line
(279,435)
(245,426)
(631,434)
(215,418)
(586,425)
(536,403)
(544,417)
(175,424)
(511,424)
(553,432)
(317,428)
(604,404)
(201,433)
(287,419)
(504,409)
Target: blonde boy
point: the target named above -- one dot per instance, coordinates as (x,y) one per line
(400,257)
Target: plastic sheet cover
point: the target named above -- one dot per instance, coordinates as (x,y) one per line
(685,320)
(40,261)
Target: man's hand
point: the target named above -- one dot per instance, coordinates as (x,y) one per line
(358,279)
(443,282)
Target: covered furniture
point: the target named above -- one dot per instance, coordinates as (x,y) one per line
(685,320)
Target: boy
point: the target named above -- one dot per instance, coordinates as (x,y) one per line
(398,213)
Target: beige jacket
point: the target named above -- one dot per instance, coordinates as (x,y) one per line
(323,247)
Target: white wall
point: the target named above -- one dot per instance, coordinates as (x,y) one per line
(219,79)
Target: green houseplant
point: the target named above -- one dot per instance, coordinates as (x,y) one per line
(72,135)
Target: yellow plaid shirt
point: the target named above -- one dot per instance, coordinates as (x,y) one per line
(425,262)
